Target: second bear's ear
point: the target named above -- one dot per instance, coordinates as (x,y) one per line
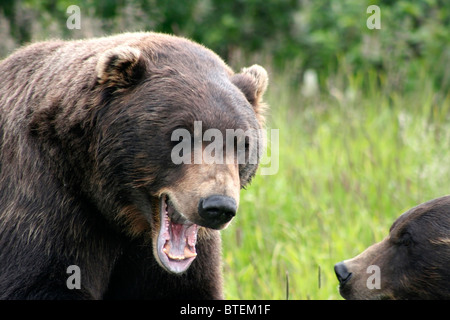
(252,81)
(120,67)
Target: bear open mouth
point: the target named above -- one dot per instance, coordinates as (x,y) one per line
(176,239)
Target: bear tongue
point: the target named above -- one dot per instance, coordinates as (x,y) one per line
(181,242)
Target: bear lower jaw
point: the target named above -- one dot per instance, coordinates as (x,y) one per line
(176,240)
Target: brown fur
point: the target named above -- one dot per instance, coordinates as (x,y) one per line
(85,155)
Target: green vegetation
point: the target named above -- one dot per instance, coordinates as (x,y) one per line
(316,34)
(350,163)
(371,143)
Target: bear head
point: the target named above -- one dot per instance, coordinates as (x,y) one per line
(161,103)
(412,262)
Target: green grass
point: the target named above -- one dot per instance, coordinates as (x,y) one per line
(351,161)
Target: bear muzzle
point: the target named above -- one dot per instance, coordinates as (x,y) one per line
(342,273)
(177,235)
(216,211)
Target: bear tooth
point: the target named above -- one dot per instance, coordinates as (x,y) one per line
(188,253)
(174,257)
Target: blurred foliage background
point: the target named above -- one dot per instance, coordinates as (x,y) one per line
(363,117)
(304,33)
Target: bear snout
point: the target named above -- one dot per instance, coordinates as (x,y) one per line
(342,273)
(217,210)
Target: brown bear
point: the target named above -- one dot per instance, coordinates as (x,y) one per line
(412,262)
(87,176)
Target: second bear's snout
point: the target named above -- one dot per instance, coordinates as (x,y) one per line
(342,273)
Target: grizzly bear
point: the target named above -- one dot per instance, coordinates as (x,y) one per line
(412,262)
(87,177)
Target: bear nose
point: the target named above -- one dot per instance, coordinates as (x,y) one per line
(217,210)
(342,273)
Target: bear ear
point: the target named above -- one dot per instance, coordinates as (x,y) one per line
(252,81)
(120,67)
